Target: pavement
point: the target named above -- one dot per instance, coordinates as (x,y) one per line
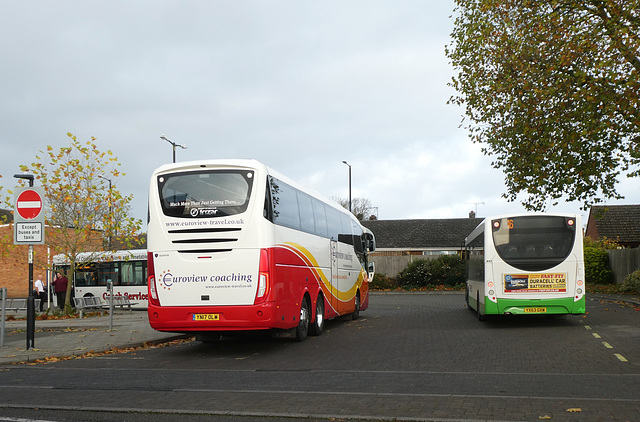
(632,300)
(75,337)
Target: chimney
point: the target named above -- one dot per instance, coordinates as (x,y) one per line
(472,214)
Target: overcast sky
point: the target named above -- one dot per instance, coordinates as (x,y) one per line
(298,85)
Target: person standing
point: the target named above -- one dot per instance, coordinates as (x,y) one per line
(38,290)
(60,288)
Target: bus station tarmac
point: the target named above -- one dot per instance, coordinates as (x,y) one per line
(75,337)
(64,338)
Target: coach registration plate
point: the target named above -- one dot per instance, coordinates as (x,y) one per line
(535,310)
(206,317)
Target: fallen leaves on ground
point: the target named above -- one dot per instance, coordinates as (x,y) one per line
(112,351)
(75,330)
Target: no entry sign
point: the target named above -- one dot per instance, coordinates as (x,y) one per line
(29,204)
(28,216)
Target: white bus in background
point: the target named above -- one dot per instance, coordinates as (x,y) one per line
(127,269)
(235,246)
(526,264)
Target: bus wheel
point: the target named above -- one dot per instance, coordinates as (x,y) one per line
(466,297)
(480,316)
(356,313)
(317,326)
(303,325)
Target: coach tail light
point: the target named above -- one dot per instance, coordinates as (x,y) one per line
(151,271)
(263,277)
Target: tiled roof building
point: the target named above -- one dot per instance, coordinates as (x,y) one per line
(398,242)
(617,222)
(433,235)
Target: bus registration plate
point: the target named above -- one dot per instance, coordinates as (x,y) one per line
(535,310)
(206,317)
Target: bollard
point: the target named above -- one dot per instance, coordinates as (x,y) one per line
(110,290)
(3,305)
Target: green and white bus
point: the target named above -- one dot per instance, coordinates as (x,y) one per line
(526,264)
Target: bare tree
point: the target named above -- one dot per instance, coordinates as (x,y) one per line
(361,206)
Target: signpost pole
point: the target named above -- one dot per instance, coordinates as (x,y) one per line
(29,228)
(31,305)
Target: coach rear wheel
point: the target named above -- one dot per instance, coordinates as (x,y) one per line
(356,313)
(317,326)
(303,324)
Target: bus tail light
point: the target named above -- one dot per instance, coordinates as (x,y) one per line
(580,288)
(579,291)
(151,272)
(263,276)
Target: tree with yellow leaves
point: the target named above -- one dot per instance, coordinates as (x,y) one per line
(82,201)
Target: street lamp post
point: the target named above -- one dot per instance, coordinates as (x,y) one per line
(110,284)
(110,212)
(174,145)
(350,210)
(31,304)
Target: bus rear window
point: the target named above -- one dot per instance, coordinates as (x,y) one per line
(205,194)
(534,243)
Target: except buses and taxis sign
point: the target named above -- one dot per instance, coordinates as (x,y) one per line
(28,216)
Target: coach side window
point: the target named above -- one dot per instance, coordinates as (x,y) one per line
(285,205)
(307,223)
(320,215)
(267,212)
(334,223)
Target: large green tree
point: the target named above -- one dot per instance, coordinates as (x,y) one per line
(551,91)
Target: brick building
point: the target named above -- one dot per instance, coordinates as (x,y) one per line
(14,263)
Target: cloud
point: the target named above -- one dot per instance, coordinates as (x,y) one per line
(301,86)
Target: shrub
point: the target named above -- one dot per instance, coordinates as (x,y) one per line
(382,282)
(446,270)
(414,274)
(631,283)
(604,243)
(596,266)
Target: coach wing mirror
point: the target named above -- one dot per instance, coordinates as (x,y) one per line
(371,269)
(371,241)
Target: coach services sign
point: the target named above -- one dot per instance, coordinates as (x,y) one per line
(28,216)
